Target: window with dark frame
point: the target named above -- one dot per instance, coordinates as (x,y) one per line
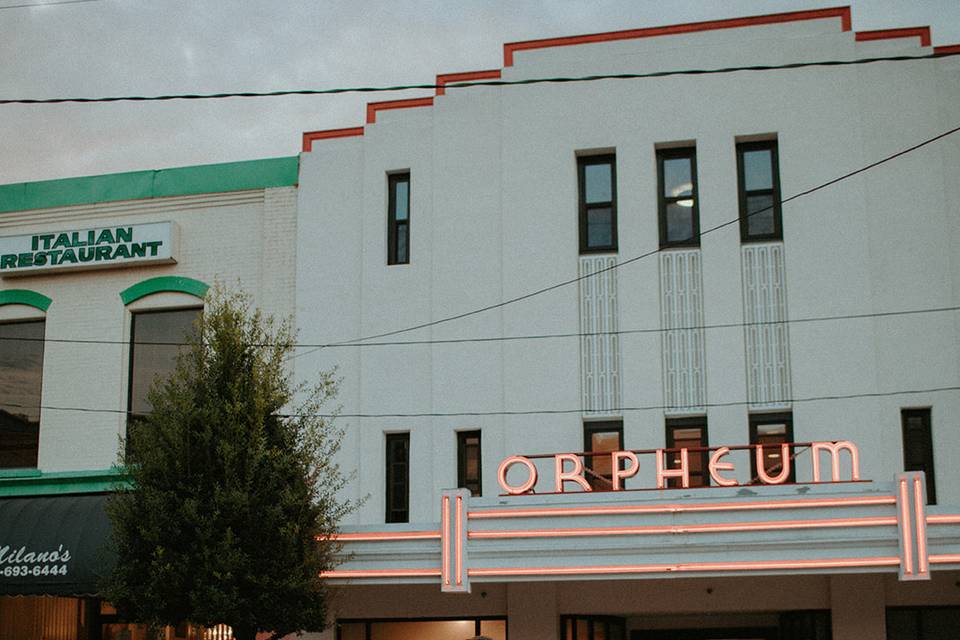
(688,433)
(601,437)
(157,337)
(758,178)
(469,469)
(21,375)
(398,477)
(597,178)
(918,447)
(771,430)
(398,218)
(677,199)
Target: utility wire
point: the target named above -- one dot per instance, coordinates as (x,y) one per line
(475,83)
(455,414)
(44,4)
(542,336)
(637,258)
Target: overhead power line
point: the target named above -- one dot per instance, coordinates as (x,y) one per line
(527,412)
(44,4)
(622,263)
(474,83)
(514,338)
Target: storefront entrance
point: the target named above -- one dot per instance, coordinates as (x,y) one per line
(707,634)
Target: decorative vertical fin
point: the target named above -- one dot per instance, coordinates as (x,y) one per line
(765,332)
(681,305)
(599,354)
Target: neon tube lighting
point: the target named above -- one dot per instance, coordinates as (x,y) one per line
(693,528)
(548,512)
(760,565)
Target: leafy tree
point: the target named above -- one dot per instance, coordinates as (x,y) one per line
(231,504)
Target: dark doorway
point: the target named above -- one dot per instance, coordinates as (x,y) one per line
(728,633)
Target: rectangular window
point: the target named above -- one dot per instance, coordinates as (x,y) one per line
(398,218)
(758,177)
(597,178)
(604,438)
(468,461)
(922,623)
(156,339)
(21,374)
(918,447)
(770,430)
(689,433)
(398,477)
(677,197)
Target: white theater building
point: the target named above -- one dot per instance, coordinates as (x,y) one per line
(598,383)
(828,319)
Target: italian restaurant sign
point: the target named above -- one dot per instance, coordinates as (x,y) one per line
(96,248)
(770,464)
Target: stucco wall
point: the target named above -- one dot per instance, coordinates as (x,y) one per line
(494,216)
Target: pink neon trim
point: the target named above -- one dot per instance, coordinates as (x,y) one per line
(379,573)
(549,512)
(945,558)
(774,525)
(905,522)
(762,565)
(444,539)
(459,542)
(386,536)
(944,519)
(922,561)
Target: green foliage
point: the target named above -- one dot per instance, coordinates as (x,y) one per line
(229,514)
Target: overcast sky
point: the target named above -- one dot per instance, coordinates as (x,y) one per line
(141,47)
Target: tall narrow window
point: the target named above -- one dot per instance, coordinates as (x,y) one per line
(771,430)
(678,202)
(398,218)
(918,447)
(398,477)
(688,433)
(21,373)
(603,438)
(758,172)
(156,339)
(598,203)
(468,461)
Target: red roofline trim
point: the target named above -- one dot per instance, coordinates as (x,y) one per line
(907,32)
(465,76)
(310,136)
(373,107)
(509,49)
(793,16)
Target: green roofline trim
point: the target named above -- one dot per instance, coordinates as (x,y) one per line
(25,296)
(33,482)
(161,284)
(138,185)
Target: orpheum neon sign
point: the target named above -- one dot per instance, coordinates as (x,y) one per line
(569,468)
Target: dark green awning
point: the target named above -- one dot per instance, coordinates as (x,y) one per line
(53,545)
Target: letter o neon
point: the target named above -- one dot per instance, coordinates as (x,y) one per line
(505,467)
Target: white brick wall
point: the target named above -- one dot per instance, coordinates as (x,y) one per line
(241,237)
